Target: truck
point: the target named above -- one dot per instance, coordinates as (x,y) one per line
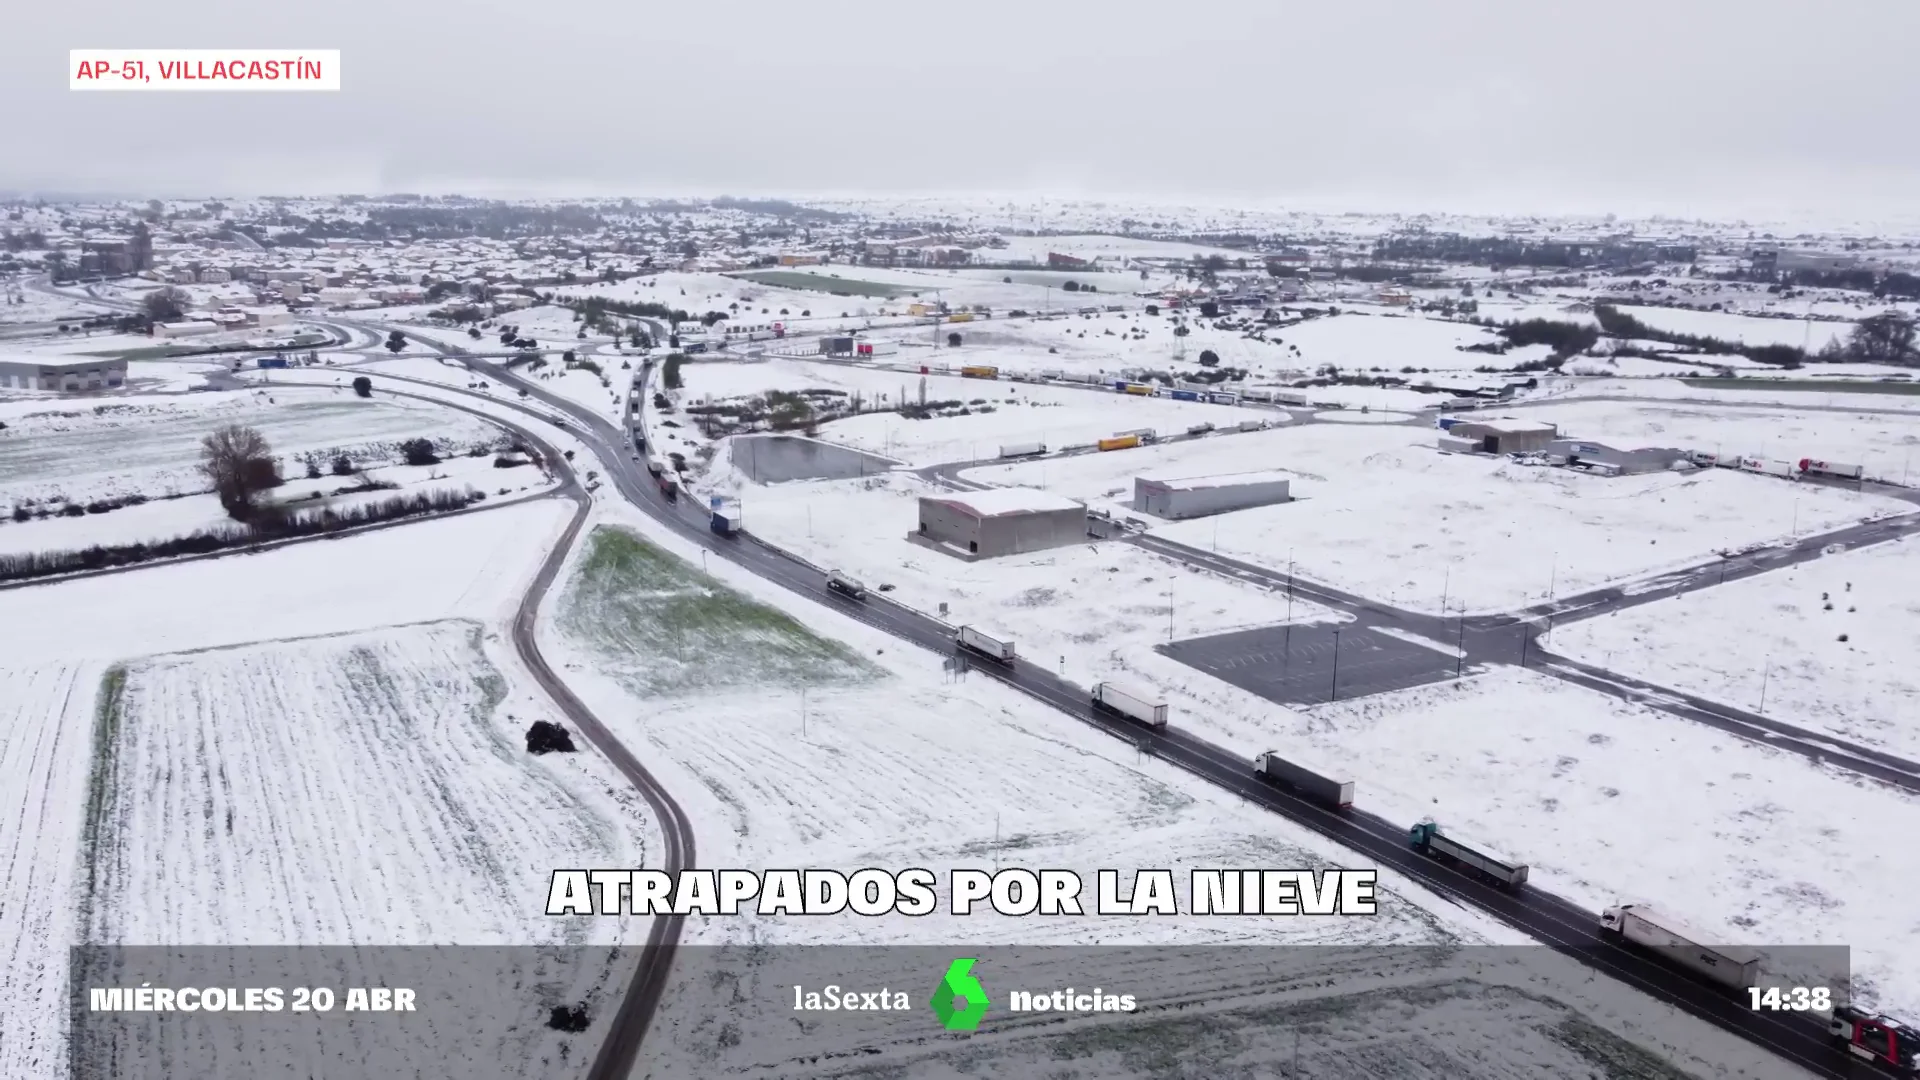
(656,468)
(1141,389)
(669,487)
(986,645)
(979,371)
(1119,442)
(1769,466)
(1185,395)
(1199,429)
(1275,769)
(1023,449)
(1110,698)
(1298,400)
(1679,944)
(1145,434)
(272,361)
(1427,839)
(725,522)
(1880,1039)
(1250,425)
(1831,468)
(838,582)
(1223,397)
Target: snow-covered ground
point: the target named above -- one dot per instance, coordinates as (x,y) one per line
(1100,607)
(1751,391)
(167,518)
(1020,412)
(1786,657)
(1884,444)
(1745,329)
(82,450)
(886,760)
(1610,801)
(1378,511)
(215,650)
(789,749)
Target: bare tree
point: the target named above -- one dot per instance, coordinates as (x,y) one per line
(239,463)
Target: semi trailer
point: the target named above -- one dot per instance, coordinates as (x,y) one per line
(1024,449)
(986,645)
(1110,698)
(1317,786)
(725,522)
(1679,944)
(1427,839)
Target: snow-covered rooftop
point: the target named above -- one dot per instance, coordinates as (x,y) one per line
(1189,483)
(1507,425)
(1011,500)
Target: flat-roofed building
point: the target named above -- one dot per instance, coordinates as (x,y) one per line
(999,521)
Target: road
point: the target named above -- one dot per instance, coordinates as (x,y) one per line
(1312,664)
(1561,925)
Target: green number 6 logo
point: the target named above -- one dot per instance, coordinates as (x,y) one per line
(960,1001)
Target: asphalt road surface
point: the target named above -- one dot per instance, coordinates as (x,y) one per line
(1561,925)
(1314,663)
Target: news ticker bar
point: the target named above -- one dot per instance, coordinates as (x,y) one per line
(277,70)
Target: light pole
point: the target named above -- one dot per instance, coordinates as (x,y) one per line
(1333,692)
(1765,670)
(1460,660)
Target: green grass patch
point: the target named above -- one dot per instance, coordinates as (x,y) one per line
(663,628)
(1811,386)
(794,279)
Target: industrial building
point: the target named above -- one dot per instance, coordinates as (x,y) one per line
(77,375)
(1174,498)
(1502,435)
(1610,460)
(999,521)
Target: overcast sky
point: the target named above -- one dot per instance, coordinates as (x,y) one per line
(1699,107)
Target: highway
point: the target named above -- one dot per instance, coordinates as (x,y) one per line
(1565,927)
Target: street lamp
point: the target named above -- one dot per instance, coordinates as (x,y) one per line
(1333,693)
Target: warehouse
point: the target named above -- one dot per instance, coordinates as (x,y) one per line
(999,521)
(1504,435)
(78,375)
(1175,498)
(1613,461)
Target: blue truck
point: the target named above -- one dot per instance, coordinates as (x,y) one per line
(725,522)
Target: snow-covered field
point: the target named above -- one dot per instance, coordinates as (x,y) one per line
(1745,329)
(1378,511)
(886,760)
(81,451)
(1786,657)
(1610,801)
(217,654)
(789,749)
(167,518)
(1884,444)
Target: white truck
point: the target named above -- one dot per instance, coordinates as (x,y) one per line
(1137,707)
(1680,944)
(1427,839)
(1770,466)
(986,645)
(1023,449)
(1278,770)
(1831,468)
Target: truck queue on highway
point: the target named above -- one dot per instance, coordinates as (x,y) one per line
(1889,1044)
